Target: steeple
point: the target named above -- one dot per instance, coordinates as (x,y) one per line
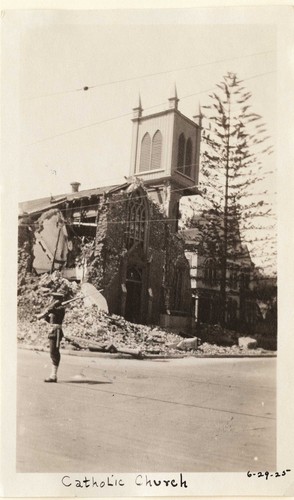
(173,101)
(137,111)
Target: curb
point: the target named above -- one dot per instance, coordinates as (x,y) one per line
(96,354)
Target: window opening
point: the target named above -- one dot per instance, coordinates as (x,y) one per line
(178,288)
(156,151)
(145,153)
(136,221)
(184,164)
(181,152)
(210,272)
(150,158)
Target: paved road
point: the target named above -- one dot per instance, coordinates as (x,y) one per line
(124,415)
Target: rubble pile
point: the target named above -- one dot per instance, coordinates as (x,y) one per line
(92,327)
(216,334)
(34,293)
(83,327)
(24,264)
(88,328)
(207,349)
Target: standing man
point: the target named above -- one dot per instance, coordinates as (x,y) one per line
(54,315)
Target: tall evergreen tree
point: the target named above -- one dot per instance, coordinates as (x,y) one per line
(234,147)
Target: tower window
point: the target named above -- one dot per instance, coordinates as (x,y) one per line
(181,152)
(145,153)
(184,164)
(150,158)
(156,151)
(188,159)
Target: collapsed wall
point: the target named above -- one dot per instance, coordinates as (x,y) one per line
(25,253)
(107,260)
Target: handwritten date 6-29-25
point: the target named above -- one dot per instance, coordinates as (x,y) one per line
(267,474)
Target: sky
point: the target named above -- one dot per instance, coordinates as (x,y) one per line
(68,134)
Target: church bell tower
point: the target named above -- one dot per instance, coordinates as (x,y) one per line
(165,154)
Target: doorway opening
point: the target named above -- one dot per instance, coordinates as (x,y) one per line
(134,293)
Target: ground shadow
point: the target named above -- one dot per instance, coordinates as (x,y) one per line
(89,382)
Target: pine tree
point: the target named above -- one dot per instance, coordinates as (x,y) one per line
(234,147)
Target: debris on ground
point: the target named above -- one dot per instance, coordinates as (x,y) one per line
(91,329)
(189,344)
(218,335)
(247,343)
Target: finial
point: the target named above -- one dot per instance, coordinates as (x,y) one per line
(199,116)
(173,101)
(137,111)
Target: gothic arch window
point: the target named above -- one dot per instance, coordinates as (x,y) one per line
(181,152)
(178,287)
(137,217)
(245,279)
(145,153)
(210,272)
(156,151)
(185,149)
(233,278)
(150,157)
(188,158)
(232,312)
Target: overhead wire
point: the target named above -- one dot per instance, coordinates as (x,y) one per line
(122,221)
(146,75)
(130,113)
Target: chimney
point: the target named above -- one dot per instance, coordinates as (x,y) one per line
(75,187)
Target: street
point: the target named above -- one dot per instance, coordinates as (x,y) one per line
(124,415)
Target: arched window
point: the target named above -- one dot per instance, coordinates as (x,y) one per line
(181,152)
(188,159)
(150,158)
(156,151)
(245,279)
(178,287)
(232,312)
(233,278)
(136,221)
(145,153)
(185,148)
(210,272)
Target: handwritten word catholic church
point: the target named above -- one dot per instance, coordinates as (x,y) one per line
(124,238)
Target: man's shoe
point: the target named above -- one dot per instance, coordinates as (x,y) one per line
(50,379)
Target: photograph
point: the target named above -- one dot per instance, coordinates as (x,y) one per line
(145,347)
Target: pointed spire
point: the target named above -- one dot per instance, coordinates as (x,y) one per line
(137,111)
(173,101)
(199,116)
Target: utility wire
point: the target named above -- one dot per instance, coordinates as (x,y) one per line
(123,221)
(113,82)
(128,114)
(127,221)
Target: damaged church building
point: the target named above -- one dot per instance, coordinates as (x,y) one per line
(124,238)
